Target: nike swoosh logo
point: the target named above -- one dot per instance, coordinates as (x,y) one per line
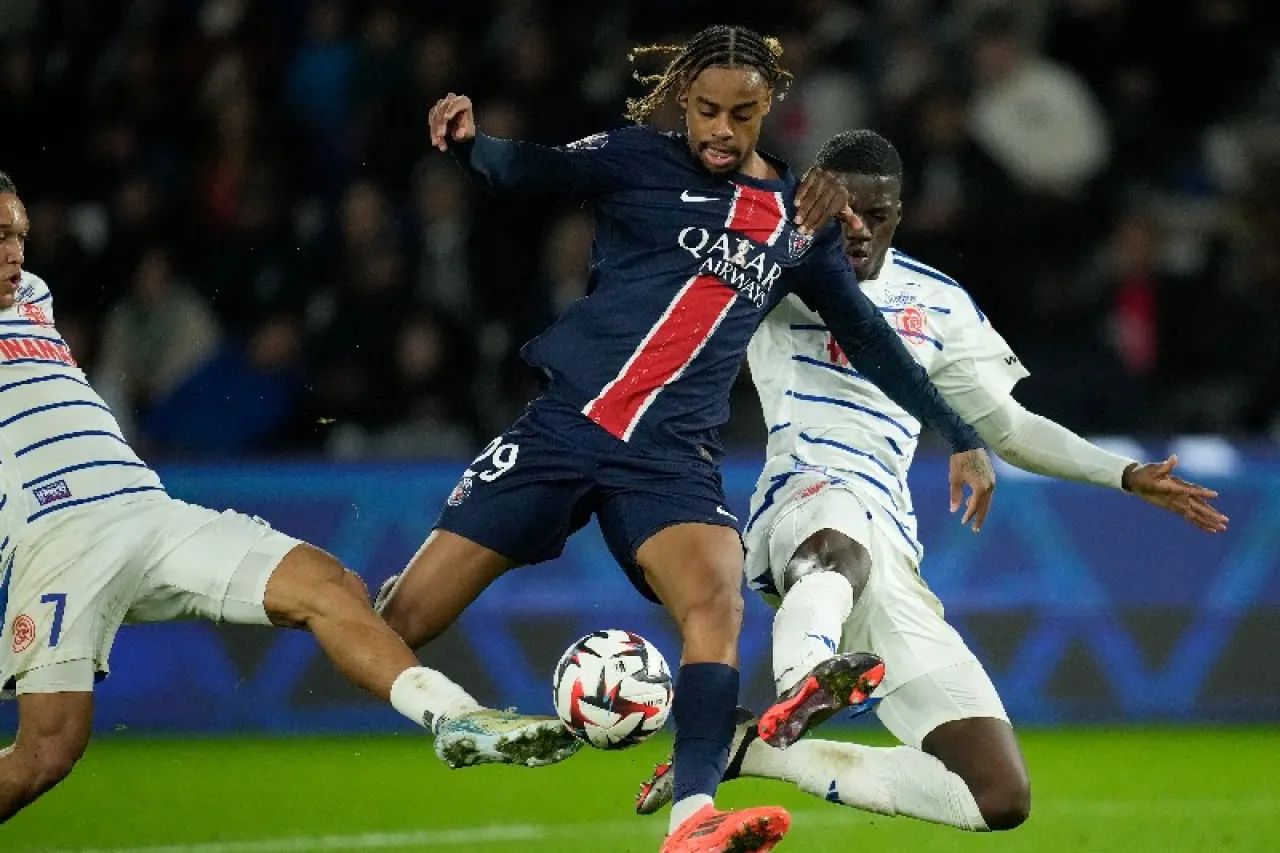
(726,512)
(684,196)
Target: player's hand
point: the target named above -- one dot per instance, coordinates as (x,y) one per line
(973,469)
(452,117)
(820,198)
(1155,484)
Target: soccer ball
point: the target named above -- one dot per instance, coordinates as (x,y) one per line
(613,689)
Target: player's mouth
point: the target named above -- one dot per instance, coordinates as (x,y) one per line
(12,281)
(717,158)
(859,256)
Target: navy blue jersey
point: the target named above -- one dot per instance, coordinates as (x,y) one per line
(684,267)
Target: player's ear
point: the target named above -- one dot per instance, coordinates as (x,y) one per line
(768,104)
(683,98)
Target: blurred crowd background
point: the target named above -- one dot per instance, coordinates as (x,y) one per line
(252,249)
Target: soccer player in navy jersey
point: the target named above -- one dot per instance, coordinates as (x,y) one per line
(697,238)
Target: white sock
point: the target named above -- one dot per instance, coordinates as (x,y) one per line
(428,697)
(807,627)
(889,781)
(685,809)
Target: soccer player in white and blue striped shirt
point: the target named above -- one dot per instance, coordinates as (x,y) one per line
(103,543)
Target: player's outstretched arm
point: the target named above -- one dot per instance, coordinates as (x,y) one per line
(504,165)
(1035,443)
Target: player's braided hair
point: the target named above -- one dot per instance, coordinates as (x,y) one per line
(862,152)
(720,46)
(7,186)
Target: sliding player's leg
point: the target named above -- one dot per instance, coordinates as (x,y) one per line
(231,568)
(53,731)
(960,764)
(810,546)
(967,772)
(823,580)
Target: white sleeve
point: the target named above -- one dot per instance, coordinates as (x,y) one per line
(975,369)
(1037,444)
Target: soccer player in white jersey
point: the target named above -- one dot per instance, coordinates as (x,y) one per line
(832,535)
(102,543)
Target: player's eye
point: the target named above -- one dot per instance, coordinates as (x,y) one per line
(741,117)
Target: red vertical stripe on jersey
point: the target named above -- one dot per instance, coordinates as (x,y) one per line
(757,214)
(674,341)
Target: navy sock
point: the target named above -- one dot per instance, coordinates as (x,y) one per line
(705,701)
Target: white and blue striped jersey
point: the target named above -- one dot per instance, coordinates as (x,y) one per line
(824,416)
(69,449)
(11,522)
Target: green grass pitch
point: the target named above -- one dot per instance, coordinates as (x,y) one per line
(1166,791)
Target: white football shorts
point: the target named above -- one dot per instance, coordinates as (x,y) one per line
(931,676)
(149,560)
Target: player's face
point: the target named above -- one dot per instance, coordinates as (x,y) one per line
(723,109)
(877,201)
(13,240)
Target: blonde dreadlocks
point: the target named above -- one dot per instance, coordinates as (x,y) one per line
(719,46)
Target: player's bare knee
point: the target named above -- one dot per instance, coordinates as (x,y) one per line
(830,551)
(718,608)
(1005,805)
(356,586)
(309,583)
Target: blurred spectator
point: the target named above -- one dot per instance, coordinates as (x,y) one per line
(319,89)
(1035,118)
(155,338)
(822,100)
(362,294)
(955,201)
(444,277)
(251,270)
(434,413)
(384,119)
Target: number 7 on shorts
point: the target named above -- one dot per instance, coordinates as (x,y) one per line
(59,602)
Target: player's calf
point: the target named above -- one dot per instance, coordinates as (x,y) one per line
(53,732)
(984,752)
(443,578)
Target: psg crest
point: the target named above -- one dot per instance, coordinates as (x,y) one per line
(460,492)
(798,243)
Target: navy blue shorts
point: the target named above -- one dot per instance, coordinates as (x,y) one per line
(541,481)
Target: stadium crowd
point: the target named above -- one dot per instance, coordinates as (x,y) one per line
(253,250)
